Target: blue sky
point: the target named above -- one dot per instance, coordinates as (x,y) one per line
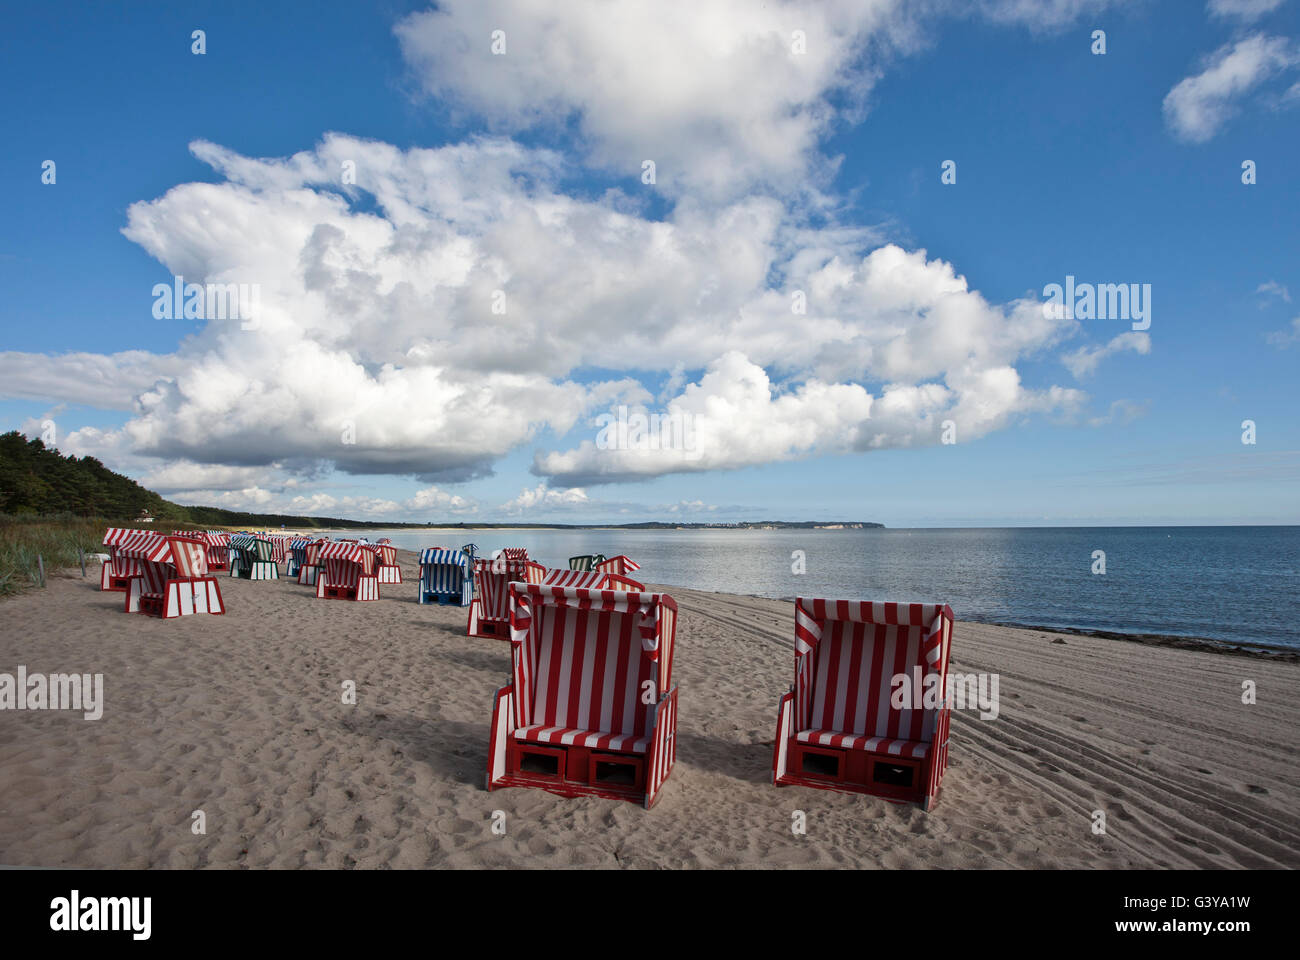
(523,173)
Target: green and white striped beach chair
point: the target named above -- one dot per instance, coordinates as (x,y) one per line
(252,558)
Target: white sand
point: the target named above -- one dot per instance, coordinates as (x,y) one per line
(241,716)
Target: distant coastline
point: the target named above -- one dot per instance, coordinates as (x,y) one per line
(655,525)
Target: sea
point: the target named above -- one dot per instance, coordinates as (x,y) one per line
(1236,585)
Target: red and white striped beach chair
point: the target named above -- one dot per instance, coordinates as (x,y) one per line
(591,580)
(173,580)
(218,543)
(621,565)
(387,570)
(868,711)
(489,614)
(279,547)
(591,709)
(513,553)
(117,571)
(347,572)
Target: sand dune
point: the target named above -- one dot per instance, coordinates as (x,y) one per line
(241,716)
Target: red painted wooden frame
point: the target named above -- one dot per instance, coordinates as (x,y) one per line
(858,765)
(580,764)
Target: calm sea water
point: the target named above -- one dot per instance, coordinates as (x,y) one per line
(1235,584)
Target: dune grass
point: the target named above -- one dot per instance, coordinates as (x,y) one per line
(56,541)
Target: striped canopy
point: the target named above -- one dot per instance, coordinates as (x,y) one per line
(256,547)
(440,557)
(185,554)
(300,543)
(619,564)
(202,536)
(117,535)
(810,616)
(343,550)
(592,579)
(144,546)
(644,607)
(345,562)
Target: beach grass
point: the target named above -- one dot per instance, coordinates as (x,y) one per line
(55,540)
(30,544)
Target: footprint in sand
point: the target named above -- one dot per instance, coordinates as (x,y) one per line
(1256,789)
(540,847)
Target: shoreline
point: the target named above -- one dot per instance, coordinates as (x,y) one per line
(1235,648)
(1279,653)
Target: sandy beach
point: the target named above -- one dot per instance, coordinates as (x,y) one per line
(241,716)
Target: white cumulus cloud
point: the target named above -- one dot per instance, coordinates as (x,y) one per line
(1199,105)
(378,348)
(1084,361)
(544,497)
(1247,10)
(736,417)
(724,96)
(715,92)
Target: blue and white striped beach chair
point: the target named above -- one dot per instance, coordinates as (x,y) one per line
(297,555)
(445,577)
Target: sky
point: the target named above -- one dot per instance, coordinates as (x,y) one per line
(805,251)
